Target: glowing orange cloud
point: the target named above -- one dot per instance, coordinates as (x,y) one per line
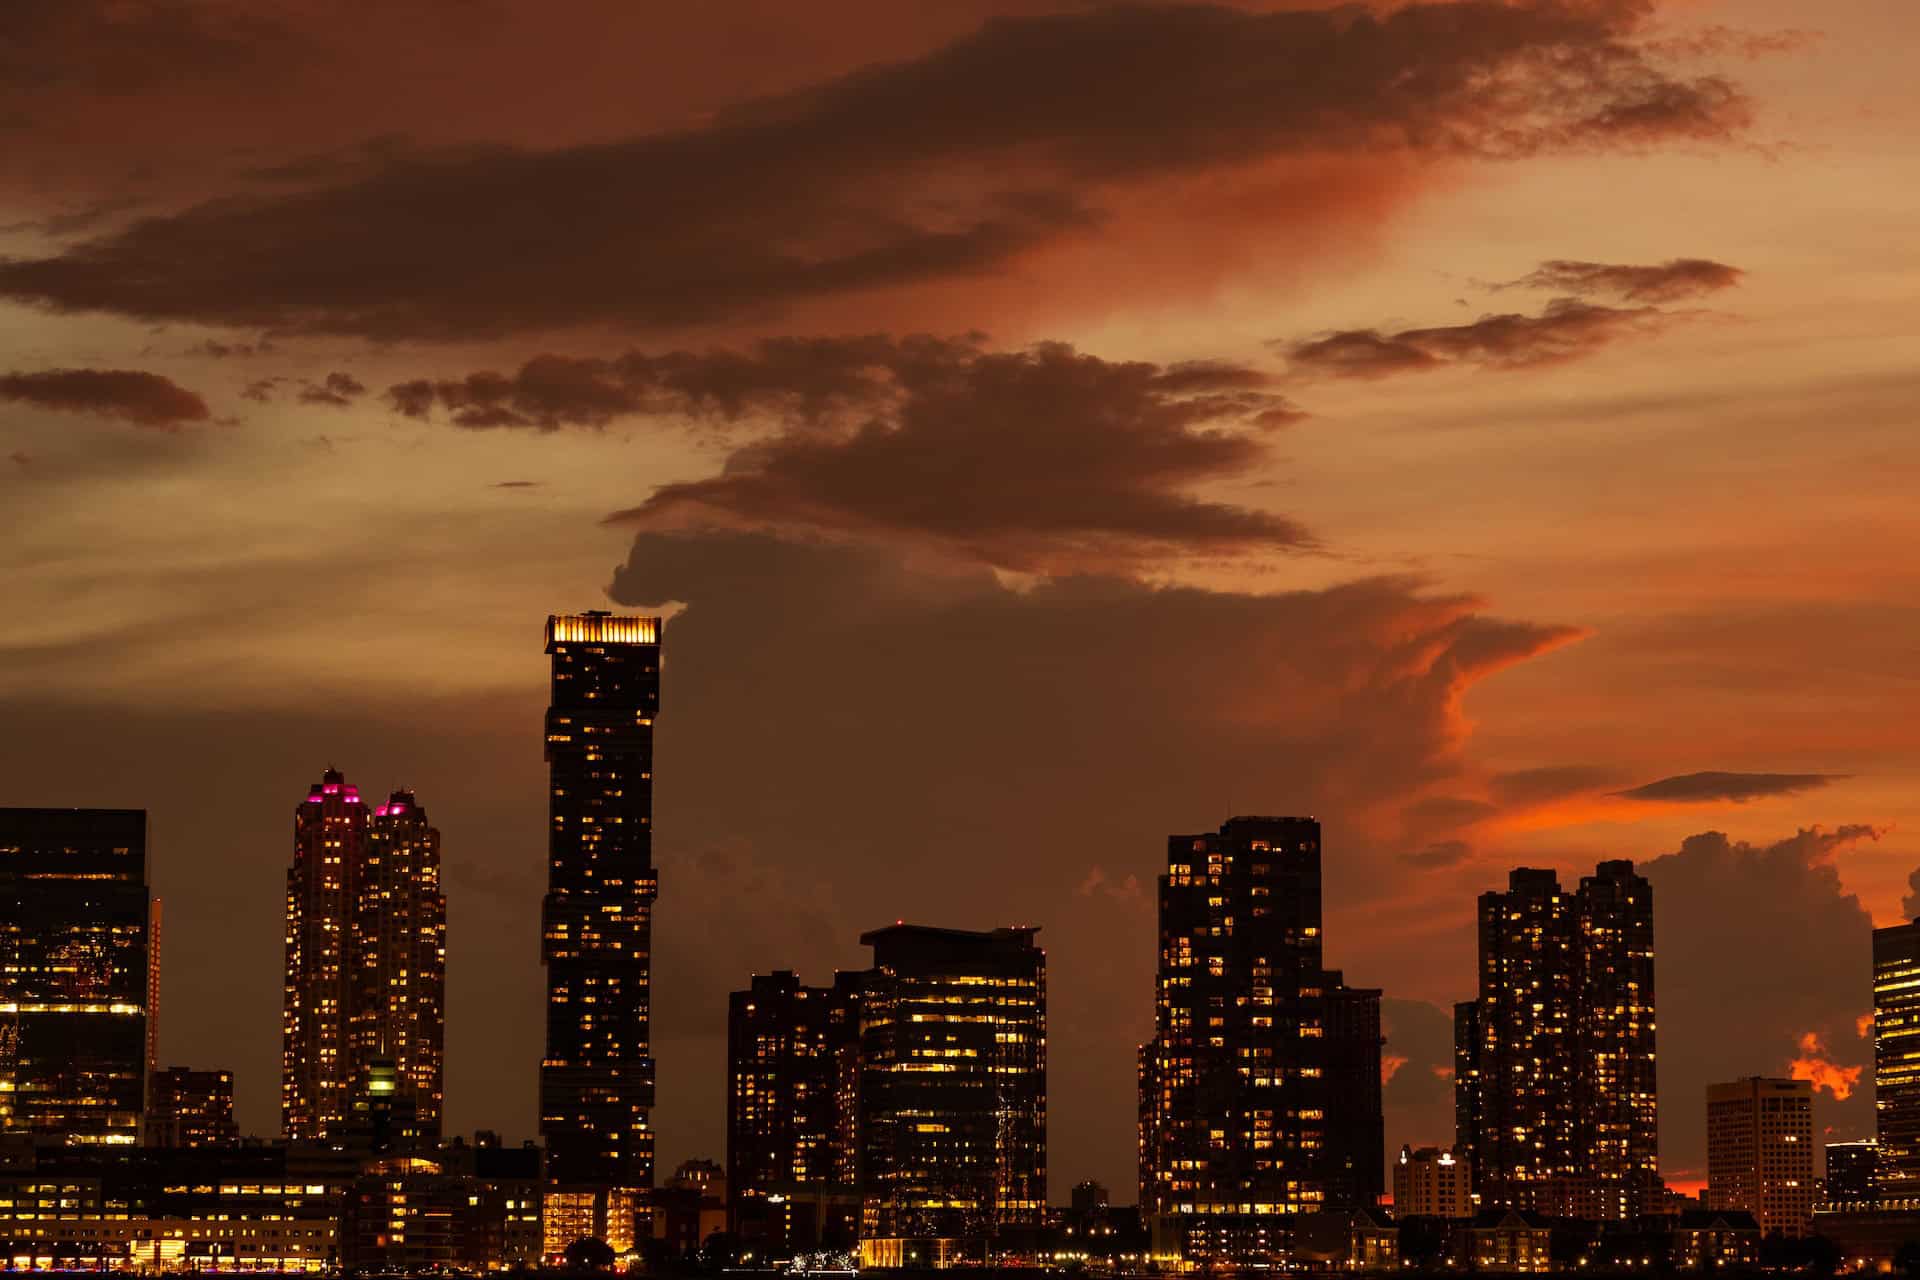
(1863,1025)
(1390,1064)
(1815,1066)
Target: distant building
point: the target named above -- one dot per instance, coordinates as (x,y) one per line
(1896,1058)
(793,1068)
(191,1109)
(1259,1093)
(1432,1183)
(597,1076)
(73,973)
(400,967)
(1555,1085)
(1852,1172)
(469,1209)
(953,1093)
(690,1208)
(1510,1240)
(365,962)
(1716,1240)
(1760,1152)
(151,1209)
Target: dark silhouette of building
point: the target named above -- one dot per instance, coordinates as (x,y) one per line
(1259,1094)
(329,847)
(470,1210)
(953,1093)
(793,1058)
(1852,1172)
(597,1078)
(191,1108)
(1555,1060)
(400,966)
(73,973)
(1896,1058)
(366,963)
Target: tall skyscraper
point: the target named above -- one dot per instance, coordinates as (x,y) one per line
(73,973)
(366,963)
(1241,1120)
(793,1062)
(191,1109)
(953,1093)
(400,956)
(1896,1057)
(1760,1152)
(1555,1060)
(329,849)
(597,1078)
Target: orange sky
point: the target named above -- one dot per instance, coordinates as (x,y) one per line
(1455,609)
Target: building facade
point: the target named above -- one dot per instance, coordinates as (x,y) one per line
(597,1077)
(1896,1058)
(1242,1120)
(1853,1172)
(953,1092)
(400,962)
(793,1070)
(366,963)
(1432,1183)
(1760,1152)
(73,973)
(191,1108)
(1554,1062)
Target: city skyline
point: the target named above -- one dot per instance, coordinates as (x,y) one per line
(1042,425)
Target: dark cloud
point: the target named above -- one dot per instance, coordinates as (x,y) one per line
(935,167)
(1441,853)
(218,350)
(260,390)
(1526,787)
(1568,329)
(1736,787)
(143,399)
(337,390)
(1042,460)
(1759,947)
(516,484)
(1910,902)
(1671,281)
(20,458)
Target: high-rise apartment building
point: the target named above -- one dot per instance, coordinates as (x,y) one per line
(597,1078)
(953,1092)
(793,1063)
(1760,1152)
(191,1109)
(399,981)
(1896,1057)
(366,962)
(1853,1172)
(73,973)
(1241,1118)
(1555,1090)
(1432,1182)
(329,847)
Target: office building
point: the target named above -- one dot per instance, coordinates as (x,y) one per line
(1554,1061)
(1242,1118)
(1896,1058)
(191,1108)
(597,1077)
(399,983)
(953,1093)
(366,965)
(73,973)
(1852,1172)
(1432,1182)
(1760,1152)
(793,1060)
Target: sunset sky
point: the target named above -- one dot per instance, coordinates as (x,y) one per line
(1490,426)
